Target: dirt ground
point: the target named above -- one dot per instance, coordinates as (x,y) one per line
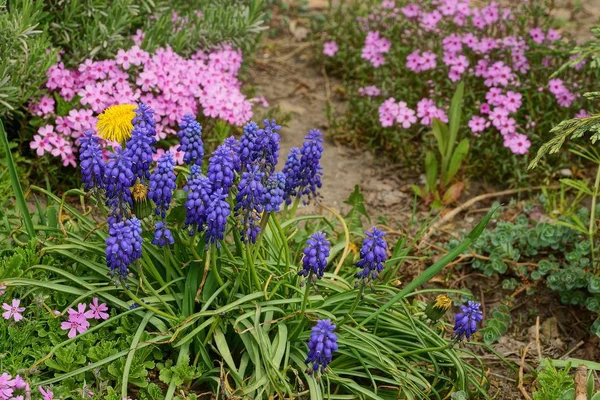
(286,75)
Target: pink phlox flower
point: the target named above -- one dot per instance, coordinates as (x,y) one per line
(97,311)
(75,326)
(582,114)
(537,35)
(79,314)
(477,125)
(411,10)
(518,143)
(47,394)
(13,310)
(405,116)
(330,48)
(369,91)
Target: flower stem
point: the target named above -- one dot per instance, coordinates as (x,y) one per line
(354,305)
(302,308)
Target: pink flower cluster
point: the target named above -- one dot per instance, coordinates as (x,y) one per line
(418,62)
(375,47)
(369,91)
(498,109)
(78,319)
(564,97)
(14,388)
(169,83)
(475,42)
(391,112)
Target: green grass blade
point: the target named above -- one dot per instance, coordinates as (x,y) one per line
(16,184)
(132,348)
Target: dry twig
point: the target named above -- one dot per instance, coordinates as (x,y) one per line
(521,368)
(581,383)
(537,338)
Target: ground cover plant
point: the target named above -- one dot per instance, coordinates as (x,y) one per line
(407,58)
(203,277)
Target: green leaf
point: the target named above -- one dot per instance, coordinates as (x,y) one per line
(457,158)
(16,184)
(132,348)
(577,185)
(431,172)
(440,131)
(455,117)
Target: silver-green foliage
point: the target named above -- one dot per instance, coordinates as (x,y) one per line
(25,54)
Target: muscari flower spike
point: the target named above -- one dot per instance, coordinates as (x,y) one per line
(123,245)
(116,122)
(466,321)
(315,256)
(162,235)
(303,169)
(321,345)
(275,192)
(190,140)
(91,162)
(372,256)
(140,147)
(199,189)
(118,179)
(260,146)
(222,166)
(216,216)
(162,184)
(249,203)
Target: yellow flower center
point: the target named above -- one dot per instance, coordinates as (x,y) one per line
(116,122)
(139,192)
(443,302)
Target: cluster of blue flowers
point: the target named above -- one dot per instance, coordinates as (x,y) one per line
(315,256)
(372,256)
(190,140)
(321,345)
(253,159)
(90,161)
(303,169)
(140,147)
(124,244)
(465,322)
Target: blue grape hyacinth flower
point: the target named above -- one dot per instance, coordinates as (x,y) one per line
(140,147)
(190,140)
(315,256)
(162,235)
(199,190)
(216,216)
(91,162)
(123,245)
(372,255)
(303,169)
(321,345)
(260,147)
(466,321)
(250,203)
(162,184)
(118,179)
(275,192)
(222,166)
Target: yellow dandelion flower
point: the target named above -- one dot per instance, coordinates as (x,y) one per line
(139,192)
(116,122)
(443,302)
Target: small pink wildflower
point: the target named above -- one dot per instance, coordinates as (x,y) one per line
(537,35)
(582,114)
(518,144)
(75,326)
(97,310)
(477,125)
(13,311)
(330,48)
(369,91)
(48,395)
